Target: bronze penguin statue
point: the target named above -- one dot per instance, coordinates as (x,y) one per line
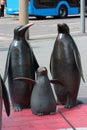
(21,61)
(5,98)
(42,99)
(65,65)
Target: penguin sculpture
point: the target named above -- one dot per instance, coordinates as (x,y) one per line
(42,99)
(4,96)
(21,61)
(65,65)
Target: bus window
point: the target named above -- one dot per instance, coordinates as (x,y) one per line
(45,3)
(73,3)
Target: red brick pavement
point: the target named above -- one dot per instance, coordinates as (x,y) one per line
(25,120)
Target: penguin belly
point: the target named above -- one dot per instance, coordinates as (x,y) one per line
(63,68)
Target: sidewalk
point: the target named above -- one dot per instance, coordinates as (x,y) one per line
(25,120)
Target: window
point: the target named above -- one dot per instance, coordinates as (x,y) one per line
(45,3)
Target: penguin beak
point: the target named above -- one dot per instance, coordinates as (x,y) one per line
(28,25)
(25,27)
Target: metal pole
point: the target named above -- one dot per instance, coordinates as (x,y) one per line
(23,14)
(82,13)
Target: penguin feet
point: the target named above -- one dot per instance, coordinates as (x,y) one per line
(44,113)
(72,104)
(17,107)
(38,113)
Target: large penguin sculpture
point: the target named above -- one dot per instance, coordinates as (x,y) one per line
(4,96)
(42,99)
(65,65)
(21,61)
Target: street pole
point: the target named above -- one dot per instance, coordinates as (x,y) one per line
(23,14)
(82,15)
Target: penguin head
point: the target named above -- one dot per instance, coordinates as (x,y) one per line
(20,30)
(16,30)
(63,28)
(41,71)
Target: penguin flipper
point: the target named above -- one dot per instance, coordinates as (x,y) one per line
(27,80)
(50,64)
(56,81)
(78,63)
(5,97)
(7,66)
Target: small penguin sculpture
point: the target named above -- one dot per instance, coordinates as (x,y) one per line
(4,96)
(21,62)
(65,65)
(42,99)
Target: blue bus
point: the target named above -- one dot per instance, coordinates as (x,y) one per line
(43,8)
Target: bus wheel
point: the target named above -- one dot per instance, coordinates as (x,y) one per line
(63,11)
